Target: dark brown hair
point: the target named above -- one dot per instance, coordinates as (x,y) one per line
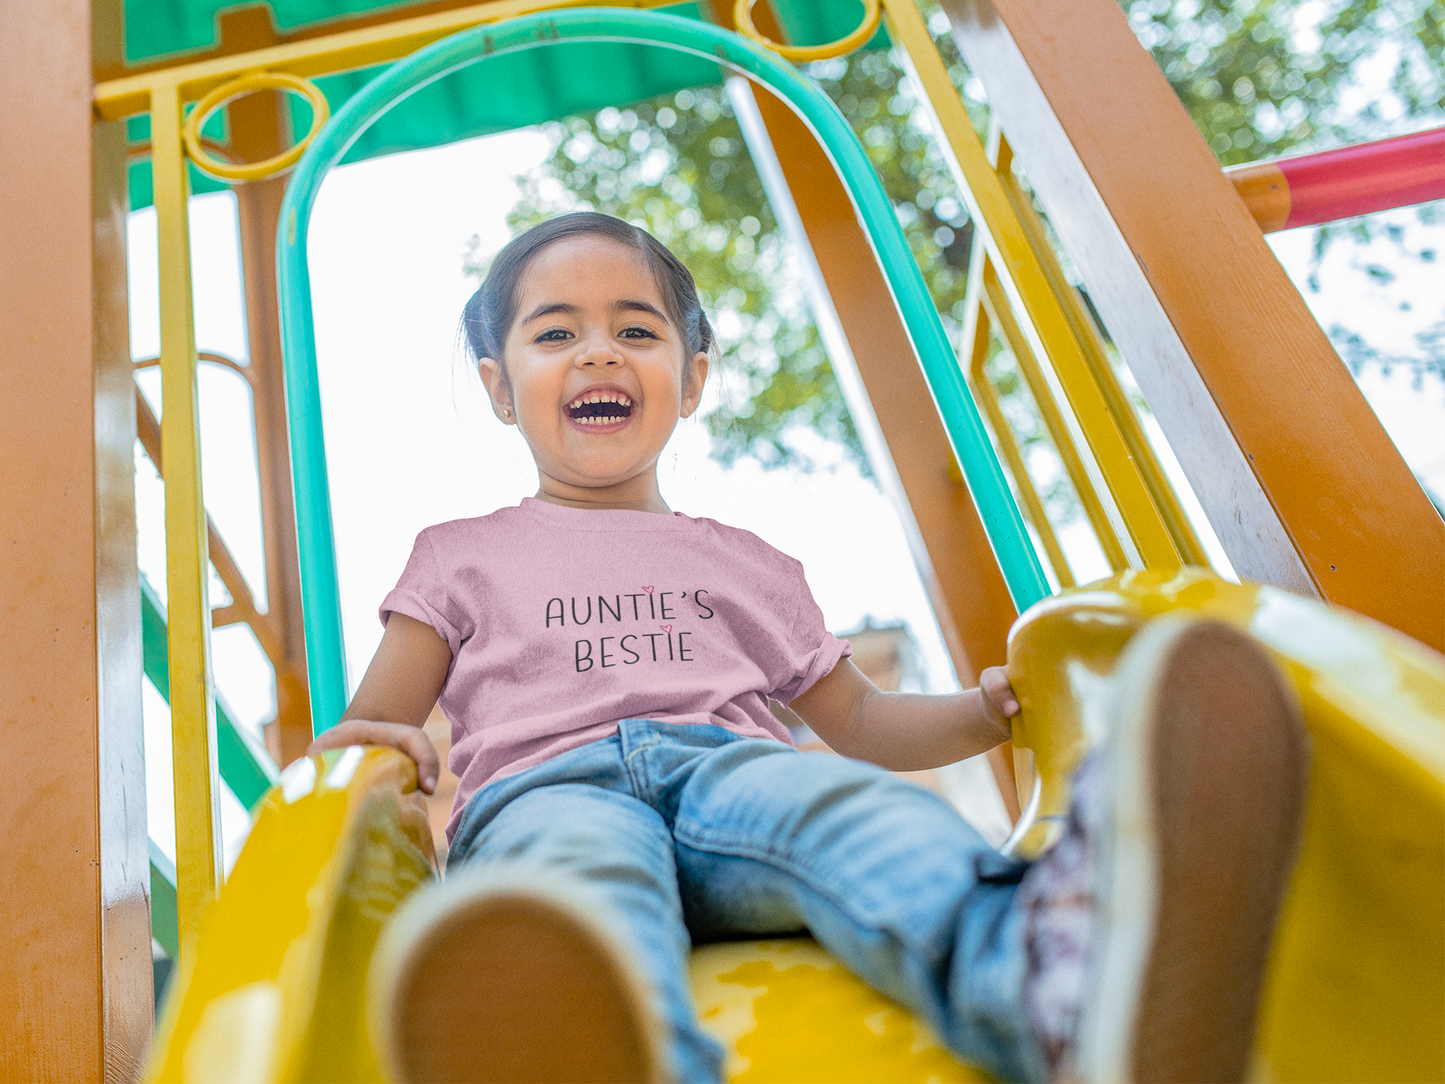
(489,314)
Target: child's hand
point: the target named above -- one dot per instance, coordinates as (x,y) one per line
(998,694)
(411,740)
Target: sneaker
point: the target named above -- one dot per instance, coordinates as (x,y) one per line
(487,979)
(1149,924)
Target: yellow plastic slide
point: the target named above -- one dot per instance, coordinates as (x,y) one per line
(274,989)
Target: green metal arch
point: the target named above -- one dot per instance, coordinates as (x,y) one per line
(1000,515)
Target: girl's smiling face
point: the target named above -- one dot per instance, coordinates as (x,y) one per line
(595,374)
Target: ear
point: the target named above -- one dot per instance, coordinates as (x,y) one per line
(692,390)
(497,390)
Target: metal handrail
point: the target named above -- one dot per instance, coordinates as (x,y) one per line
(1010,452)
(996,304)
(1091,345)
(1028,288)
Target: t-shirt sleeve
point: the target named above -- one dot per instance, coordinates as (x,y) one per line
(814,650)
(421,593)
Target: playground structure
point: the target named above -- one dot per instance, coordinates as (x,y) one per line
(1265,460)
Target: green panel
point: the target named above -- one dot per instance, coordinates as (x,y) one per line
(530,88)
(157,28)
(813,22)
(164,927)
(156,644)
(244,764)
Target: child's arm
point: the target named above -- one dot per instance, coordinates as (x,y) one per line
(396,695)
(907,731)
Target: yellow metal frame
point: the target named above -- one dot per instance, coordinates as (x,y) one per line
(1010,452)
(1029,290)
(1143,523)
(989,309)
(1147,510)
(801,54)
(193,720)
(254,171)
(996,304)
(1086,333)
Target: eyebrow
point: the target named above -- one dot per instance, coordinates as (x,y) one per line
(625,305)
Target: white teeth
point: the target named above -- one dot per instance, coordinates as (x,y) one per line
(599,397)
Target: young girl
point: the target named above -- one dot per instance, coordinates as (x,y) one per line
(606,664)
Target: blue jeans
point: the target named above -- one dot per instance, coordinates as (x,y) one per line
(694,833)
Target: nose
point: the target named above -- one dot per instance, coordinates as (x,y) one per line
(598,351)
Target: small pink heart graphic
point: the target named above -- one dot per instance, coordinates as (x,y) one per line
(648,588)
(665,628)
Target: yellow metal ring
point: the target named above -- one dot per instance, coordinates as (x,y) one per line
(801,54)
(253,171)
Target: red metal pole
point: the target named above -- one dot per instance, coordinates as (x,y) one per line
(1344,182)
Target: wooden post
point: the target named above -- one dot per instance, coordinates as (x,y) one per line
(1300,481)
(260,128)
(75,971)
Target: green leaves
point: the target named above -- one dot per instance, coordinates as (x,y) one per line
(1261,78)
(1266,78)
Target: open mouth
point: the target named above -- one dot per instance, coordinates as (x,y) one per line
(600,408)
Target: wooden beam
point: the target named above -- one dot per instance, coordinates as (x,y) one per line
(967,589)
(75,972)
(127,998)
(1298,477)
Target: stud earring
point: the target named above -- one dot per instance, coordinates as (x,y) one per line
(507,413)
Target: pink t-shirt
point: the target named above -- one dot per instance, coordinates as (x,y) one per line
(563,621)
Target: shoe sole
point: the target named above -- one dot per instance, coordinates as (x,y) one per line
(504,983)
(1209,781)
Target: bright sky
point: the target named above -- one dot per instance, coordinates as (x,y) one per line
(410,442)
